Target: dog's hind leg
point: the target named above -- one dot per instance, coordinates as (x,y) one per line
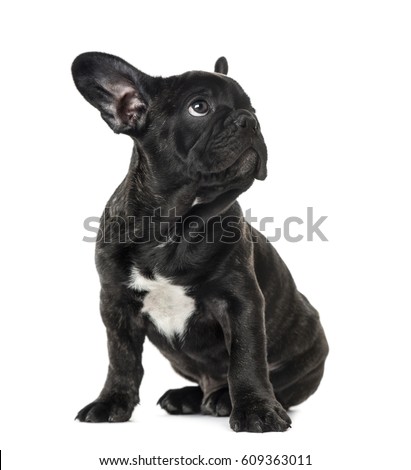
(300,390)
(186,400)
(298,379)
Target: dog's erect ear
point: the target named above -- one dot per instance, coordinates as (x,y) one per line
(221,66)
(117,89)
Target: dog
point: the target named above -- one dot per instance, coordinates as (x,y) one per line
(179,264)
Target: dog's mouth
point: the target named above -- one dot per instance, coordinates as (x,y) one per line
(239,176)
(248,165)
(250,162)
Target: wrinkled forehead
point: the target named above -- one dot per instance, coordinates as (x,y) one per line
(216,86)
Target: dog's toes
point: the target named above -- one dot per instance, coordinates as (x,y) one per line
(218,403)
(261,418)
(94,413)
(186,400)
(105,411)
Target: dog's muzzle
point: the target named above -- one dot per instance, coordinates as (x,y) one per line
(255,155)
(233,150)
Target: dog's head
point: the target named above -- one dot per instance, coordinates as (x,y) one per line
(198,125)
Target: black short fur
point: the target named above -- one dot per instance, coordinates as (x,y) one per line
(254,344)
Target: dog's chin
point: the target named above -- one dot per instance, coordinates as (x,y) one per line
(238,176)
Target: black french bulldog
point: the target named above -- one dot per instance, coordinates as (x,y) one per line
(178,263)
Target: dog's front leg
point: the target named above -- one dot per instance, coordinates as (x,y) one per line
(255,408)
(125,337)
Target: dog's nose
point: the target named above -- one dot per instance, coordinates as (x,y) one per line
(246,119)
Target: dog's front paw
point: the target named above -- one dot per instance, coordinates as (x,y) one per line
(262,417)
(113,410)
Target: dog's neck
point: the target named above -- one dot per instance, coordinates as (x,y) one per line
(149,192)
(150,189)
(146,197)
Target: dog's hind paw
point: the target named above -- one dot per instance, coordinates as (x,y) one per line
(218,403)
(186,400)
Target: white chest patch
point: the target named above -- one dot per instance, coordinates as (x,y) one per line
(167,305)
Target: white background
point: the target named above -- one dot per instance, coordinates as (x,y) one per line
(331,85)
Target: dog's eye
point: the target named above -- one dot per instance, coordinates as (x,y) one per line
(199,108)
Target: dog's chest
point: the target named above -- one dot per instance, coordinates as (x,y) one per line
(167,305)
